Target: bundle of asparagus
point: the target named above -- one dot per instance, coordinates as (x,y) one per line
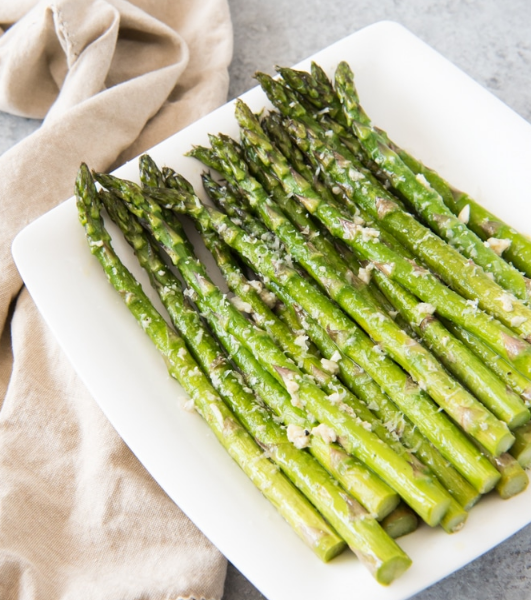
(373,362)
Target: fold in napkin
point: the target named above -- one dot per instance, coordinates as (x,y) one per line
(79,516)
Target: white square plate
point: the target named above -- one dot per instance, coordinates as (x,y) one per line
(440,115)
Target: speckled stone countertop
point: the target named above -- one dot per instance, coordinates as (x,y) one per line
(491,41)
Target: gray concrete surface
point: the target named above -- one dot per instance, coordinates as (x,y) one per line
(488,39)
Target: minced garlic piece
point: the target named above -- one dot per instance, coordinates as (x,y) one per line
(336,397)
(301,340)
(517,321)
(464,215)
(499,245)
(421,179)
(424,308)
(369,233)
(365,274)
(241,305)
(327,434)
(189,406)
(506,302)
(292,386)
(298,436)
(330,365)
(336,357)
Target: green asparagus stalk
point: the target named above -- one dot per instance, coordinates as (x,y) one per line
(400,522)
(294,508)
(233,204)
(521,449)
(425,200)
(514,479)
(419,492)
(287,102)
(501,367)
(417,280)
(457,401)
(220,194)
(363,535)
(317,89)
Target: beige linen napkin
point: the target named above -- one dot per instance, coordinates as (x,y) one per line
(79,516)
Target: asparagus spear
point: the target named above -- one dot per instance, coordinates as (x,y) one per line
(514,479)
(417,280)
(407,352)
(294,508)
(283,98)
(426,201)
(503,369)
(521,449)
(225,199)
(400,522)
(316,89)
(362,533)
(504,239)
